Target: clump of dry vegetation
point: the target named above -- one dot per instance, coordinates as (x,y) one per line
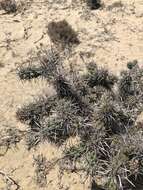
(61,33)
(9,138)
(103,119)
(14,7)
(94,4)
(9,6)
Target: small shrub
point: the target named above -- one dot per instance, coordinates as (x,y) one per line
(94,4)
(9,6)
(61,32)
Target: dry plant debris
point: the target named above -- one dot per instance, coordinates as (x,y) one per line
(9,6)
(8,138)
(40,163)
(10,182)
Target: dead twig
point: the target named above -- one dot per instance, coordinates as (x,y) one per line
(8,178)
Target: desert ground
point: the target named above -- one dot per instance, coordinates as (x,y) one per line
(111,36)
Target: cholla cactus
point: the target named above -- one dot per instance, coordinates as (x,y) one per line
(115,118)
(49,66)
(100,77)
(110,144)
(63,122)
(33,112)
(130,89)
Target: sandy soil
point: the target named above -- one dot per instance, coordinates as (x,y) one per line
(111,36)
